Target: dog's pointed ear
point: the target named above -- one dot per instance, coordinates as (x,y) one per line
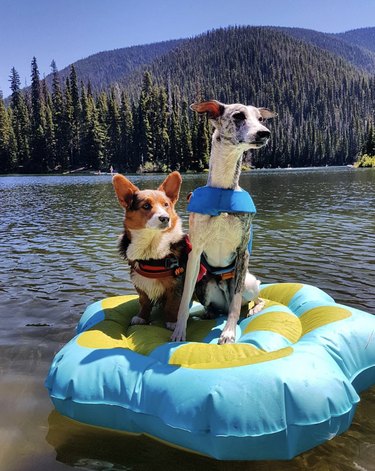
(124,190)
(266,113)
(213,108)
(171,186)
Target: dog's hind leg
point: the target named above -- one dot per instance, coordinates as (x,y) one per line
(213,295)
(259,304)
(251,293)
(228,334)
(251,284)
(227,292)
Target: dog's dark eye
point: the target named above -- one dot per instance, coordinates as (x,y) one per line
(146,206)
(240,116)
(261,118)
(166,204)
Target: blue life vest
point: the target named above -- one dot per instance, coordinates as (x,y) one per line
(214,201)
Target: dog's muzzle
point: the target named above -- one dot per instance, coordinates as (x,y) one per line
(261,138)
(164,222)
(263,135)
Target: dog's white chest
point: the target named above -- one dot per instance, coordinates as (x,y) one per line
(153,288)
(147,243)
(218,236)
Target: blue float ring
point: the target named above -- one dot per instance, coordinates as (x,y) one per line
(289,383)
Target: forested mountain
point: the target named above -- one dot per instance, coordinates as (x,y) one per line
(322,100)
(325,107)
(356,53)
(105,68)
(364,37)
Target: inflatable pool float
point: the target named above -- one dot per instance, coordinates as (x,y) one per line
(289,383)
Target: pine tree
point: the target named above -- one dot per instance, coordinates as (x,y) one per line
(175,151)
(20,122)
(113,131)
(75,116)
(186,139)
(68,120)
(91,145)
(38,145)
(160,128)
(126,136)
(143,132)
(7,150)
(59,119)
(101,104)
(200,143)
(49,130)
(369,144)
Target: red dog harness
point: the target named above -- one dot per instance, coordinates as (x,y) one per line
(167,266)
(173,266)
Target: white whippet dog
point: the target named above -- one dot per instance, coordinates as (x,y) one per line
(223,238)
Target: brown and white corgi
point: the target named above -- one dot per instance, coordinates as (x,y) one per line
(154,245)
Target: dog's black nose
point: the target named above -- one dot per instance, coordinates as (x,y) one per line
(263,135)
(163,218)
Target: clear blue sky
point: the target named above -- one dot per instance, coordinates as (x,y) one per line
(68,30)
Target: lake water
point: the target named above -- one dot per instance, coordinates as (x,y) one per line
(58,254)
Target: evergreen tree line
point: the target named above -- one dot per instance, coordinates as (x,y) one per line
(323,102)
(325,108)
(368,147)
(70,127)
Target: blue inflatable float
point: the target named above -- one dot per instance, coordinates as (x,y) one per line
(289,383)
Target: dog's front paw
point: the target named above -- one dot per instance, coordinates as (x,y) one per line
(227,336)
(136,320)
(179,333)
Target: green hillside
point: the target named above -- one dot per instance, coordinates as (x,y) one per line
(107,67)
(322,100)
(357,54)
(364,37)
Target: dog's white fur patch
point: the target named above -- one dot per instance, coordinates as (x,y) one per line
(153,288)
(136,320)
(152,243)
(224,233)
(222,165)
(154,222)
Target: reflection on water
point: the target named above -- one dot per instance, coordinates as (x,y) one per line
(58,254)
(81,445)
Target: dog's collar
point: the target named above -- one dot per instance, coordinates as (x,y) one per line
(168,266)
(223,273)
(214,201)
